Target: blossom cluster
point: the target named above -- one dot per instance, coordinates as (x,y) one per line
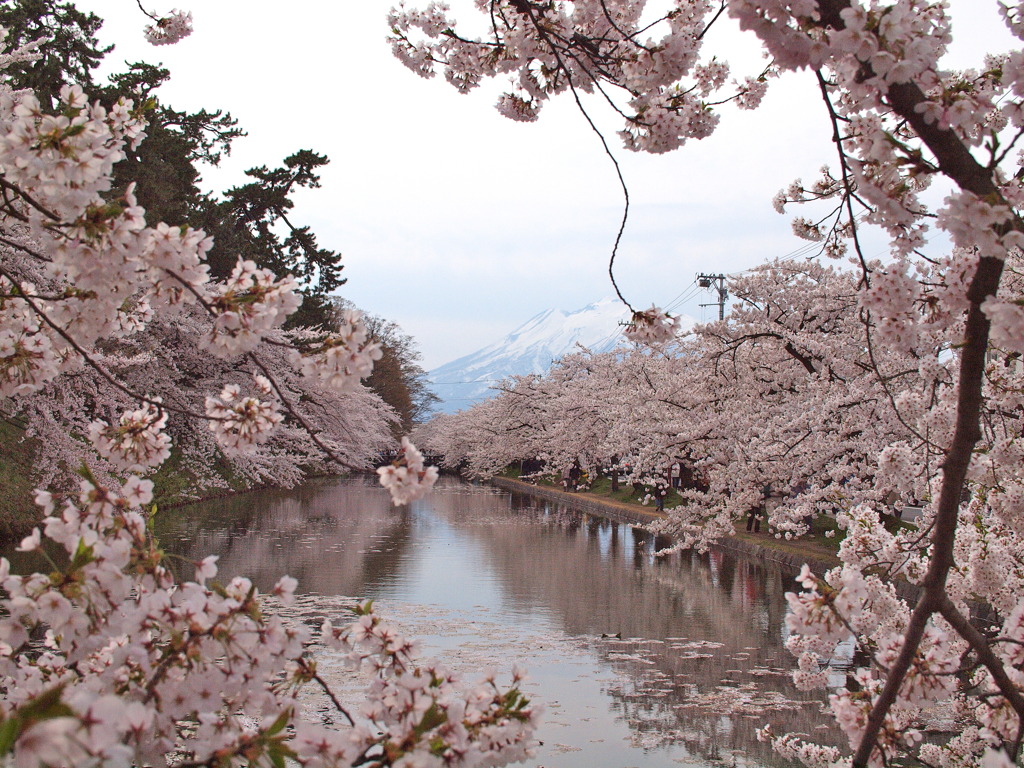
(249,304)
(344,357)
(27,357)
(170,29)
(660,85)
(137,442)
(64,158)
(242,422)
(407,478)
(135,665)
(652,326)
(452,727)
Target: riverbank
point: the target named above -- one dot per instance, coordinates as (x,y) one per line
(174,484)
(760,546)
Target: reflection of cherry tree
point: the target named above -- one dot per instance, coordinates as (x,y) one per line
(696,641)
(289,531)
(925,401)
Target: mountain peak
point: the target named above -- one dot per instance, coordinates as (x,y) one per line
(530,348)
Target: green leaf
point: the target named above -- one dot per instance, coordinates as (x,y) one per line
(87,474)
(432,718)
(9,729)
(83,556)
(46,706)
(278,725)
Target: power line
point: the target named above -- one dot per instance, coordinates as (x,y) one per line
(688,293)
(682,295)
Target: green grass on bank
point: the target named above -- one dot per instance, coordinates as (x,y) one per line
(601,487)
(174,483)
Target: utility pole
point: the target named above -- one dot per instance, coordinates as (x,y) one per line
(718,282)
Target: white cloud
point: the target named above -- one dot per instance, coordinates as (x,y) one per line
(459,224)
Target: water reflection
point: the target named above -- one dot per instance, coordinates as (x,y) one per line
(640,660)
(334,537)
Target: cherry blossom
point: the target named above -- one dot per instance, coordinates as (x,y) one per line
(137,442)
(88,287)
(170,28)
(407,478)
(652,326)
(342,358)
(247,306)
(240,422)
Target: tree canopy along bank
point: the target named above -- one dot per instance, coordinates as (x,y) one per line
(899,381)
(257,219)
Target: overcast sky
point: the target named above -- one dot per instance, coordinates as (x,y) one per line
(459,224)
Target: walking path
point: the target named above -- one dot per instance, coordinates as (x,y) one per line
(762,546)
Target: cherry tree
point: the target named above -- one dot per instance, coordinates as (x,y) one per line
(483,440)
(353,424)
(901,122)
(111,328)
(576,414)
(784,393)
(787,395)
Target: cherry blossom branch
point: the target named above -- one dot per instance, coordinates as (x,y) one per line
(17,246)
(837,139)
(865,318)
(334,699)
(88,359)
(9,187)
(958,164)
(622,33)
(986,656)
(150,15)
(306,426)
(610,155)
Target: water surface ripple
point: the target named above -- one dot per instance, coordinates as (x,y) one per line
(638,661)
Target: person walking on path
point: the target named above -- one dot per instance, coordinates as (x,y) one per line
(754,519)
(756,512)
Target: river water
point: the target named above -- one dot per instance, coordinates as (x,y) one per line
(638,661)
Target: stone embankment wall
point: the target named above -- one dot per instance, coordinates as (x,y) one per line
(613,510)
(630,514)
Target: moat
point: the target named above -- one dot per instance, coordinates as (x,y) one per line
(638,660)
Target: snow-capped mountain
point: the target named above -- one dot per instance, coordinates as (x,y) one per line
(530,348)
